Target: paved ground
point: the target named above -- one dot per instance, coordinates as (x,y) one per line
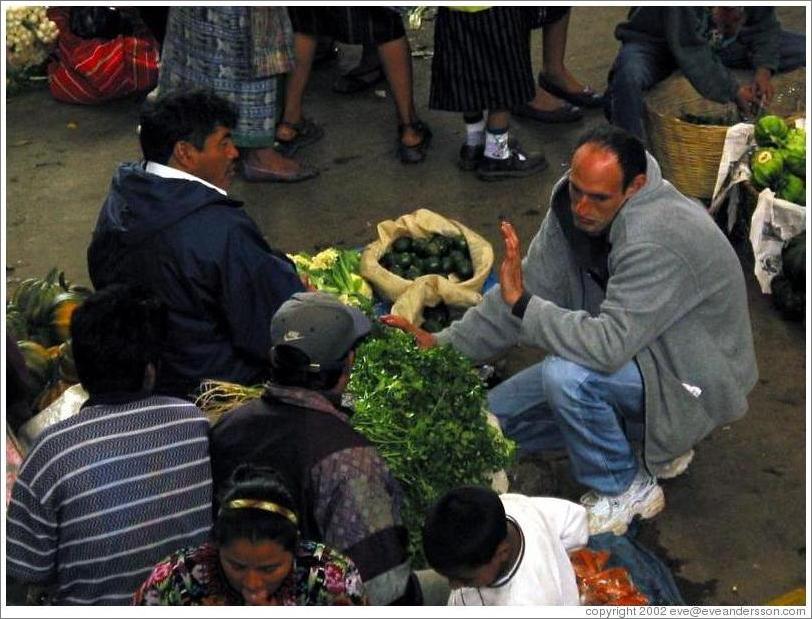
(734,528)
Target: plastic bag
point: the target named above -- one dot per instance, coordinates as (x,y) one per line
(603,586)
(421,224)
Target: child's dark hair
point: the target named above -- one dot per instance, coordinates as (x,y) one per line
(463,529)
(115,333)
(266,522)
(182,116)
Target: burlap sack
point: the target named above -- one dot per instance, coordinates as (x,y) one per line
(420,224)
(428,291)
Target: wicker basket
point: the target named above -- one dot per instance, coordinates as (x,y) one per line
(689,153)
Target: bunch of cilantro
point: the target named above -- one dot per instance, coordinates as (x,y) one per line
(424,411)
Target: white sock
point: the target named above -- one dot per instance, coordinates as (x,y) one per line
(475,133)
(496,145)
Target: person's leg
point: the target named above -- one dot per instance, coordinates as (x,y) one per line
(396,61)
(589,408)
(305,48)
(554,49)
(792,51)
(502,157)
(522,408)
(638,67)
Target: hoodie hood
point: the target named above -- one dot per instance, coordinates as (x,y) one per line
(140,204)
(592,253)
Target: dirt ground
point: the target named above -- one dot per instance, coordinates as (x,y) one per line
(734,529)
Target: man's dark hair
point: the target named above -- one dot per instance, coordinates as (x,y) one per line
(115,333)
(256,483)
(628,149)
(182,116)
(463,529)
(291,367)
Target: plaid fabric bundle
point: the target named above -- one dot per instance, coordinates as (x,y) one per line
(90,71)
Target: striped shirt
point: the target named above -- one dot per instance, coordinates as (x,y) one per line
(106,494)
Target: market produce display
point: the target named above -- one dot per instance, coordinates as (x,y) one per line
(38,317)
(779,162)
(440,316)
(789,286)
(30,36)
(338,272)
(410,258)
(424,411)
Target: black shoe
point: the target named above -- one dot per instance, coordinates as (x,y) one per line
(585,98)
(416,153)
(517,165)
(566,113)
(470,156)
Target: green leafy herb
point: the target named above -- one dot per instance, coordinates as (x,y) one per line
(424,411)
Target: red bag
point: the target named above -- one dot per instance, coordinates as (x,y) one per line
(92,71)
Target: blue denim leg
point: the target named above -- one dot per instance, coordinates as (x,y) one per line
(792,52)
(638,67)
(559,403)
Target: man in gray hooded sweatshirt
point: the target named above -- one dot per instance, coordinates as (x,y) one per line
(640,302)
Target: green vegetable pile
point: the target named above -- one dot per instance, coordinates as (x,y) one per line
(410,258)
(423,410)
(337,271)
(780,161)
(725,119)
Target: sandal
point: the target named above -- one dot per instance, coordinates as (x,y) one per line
(307,132)
(350,83)
(416,153)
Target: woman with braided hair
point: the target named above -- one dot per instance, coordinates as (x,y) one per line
(256,556)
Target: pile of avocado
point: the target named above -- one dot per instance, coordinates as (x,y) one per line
(410,258)
(440,316)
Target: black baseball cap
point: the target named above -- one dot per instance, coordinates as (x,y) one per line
(319,326)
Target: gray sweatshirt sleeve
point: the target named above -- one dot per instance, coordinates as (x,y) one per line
(650,288)
(703,68)
(490,328)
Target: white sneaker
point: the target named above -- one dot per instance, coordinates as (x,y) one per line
(643,498)
(676,467)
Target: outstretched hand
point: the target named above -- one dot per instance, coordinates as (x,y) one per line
(423,338)
(511,281)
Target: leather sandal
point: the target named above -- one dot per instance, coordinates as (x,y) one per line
(416,153)
(565,113)
(307,132)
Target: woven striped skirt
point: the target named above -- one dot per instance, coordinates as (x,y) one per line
(212,48)
(351,25)
(481,60)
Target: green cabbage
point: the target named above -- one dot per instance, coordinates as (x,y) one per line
(771,130)
(794,152)
(766,164)
(792,189)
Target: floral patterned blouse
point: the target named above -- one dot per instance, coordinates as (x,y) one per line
(193,577)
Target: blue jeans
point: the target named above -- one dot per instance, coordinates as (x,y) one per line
(639,66)
(558,404)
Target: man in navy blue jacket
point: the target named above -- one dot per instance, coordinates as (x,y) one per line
(169,224)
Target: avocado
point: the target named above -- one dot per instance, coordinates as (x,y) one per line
(413,272)
(387,260)
(465,269)
(432,326)
(460,243)
(419,247)
(446,265)
(401,244)
(403,260)
(432,264)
